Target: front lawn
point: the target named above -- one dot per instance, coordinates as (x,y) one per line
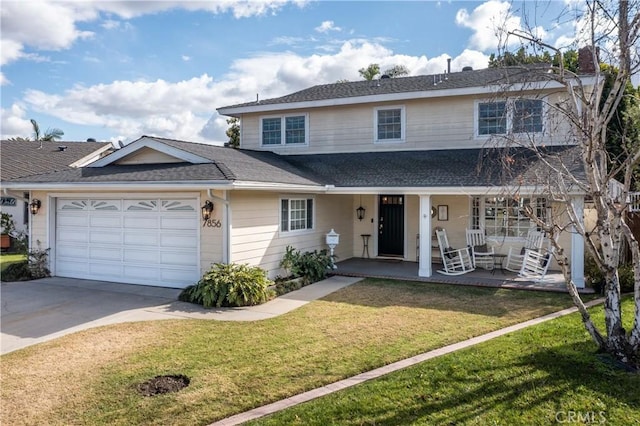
(8,259)
(91,377)
(546,374)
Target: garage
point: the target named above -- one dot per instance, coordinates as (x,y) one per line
(149,241)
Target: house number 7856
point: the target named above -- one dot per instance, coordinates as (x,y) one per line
(212,223)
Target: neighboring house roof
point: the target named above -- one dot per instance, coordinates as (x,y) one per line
(225,165)
(25,158)
(405,88)
(408,169)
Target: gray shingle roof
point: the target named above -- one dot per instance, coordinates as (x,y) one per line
(416,169)
(24,158)
(440,168)
(227,164)
(456,80)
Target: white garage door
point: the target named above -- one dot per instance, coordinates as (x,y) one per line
(142,241)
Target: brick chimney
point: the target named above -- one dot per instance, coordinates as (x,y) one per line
(586,63)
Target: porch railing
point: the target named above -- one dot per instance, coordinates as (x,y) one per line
(634,201)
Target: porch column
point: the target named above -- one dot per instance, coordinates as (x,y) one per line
(424,266)
(577,245)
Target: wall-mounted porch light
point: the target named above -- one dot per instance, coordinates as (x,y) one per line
(207,209)
(360,212)
(34,206)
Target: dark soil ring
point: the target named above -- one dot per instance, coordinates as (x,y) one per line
(163,384)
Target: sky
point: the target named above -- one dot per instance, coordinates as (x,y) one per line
(117,70)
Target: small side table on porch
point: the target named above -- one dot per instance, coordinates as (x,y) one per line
(365,244)
(498,262)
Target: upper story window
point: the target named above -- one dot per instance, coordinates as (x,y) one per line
(516,116)
(389,124)
(296,214)
(287,130)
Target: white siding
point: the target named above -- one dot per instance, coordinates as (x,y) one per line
(256,237)
(436,123)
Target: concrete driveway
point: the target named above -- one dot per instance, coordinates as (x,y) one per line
(41,310)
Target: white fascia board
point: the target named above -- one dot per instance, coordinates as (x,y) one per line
(452,190)
(147,142)
(88,159)
(390,97)
(119,186)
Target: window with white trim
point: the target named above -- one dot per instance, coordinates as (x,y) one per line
(286,130)
(513,116)
(504,216)
(296,214)
(389,124)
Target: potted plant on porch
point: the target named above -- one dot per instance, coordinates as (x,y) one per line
(7,226)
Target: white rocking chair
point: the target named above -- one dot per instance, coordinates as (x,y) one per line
(482,254)
(534,241)
(455,261)
(535,265)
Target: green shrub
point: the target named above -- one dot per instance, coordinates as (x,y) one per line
(626,277)
(595,278)
(33,268)
(229,285)
(312,266)
(18,271)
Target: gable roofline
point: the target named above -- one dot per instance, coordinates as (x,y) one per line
(88,159)
(153,143)
(480,82)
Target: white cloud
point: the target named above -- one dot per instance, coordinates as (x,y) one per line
(186,58)
(14,122)
(327,26)
(490,22)
(52,25)
(186,109)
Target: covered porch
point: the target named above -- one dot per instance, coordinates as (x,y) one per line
(406,270)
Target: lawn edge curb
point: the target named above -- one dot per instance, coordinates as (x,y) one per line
(312,394)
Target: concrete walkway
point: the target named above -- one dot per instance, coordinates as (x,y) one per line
(378,372)
(42,310)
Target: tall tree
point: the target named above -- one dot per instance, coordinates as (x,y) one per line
(588,102)
(397,71)
(49,135)
(370,72)
(233,132)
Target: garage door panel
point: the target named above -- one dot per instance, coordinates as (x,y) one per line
(183,258)
(105,237)
(182,241)
(142,221)
(106,221)
(141,256)
(182,223)
(145,241)
(73,219)
(72,251)
(102,253)
(138,272)
(105,270)
(73,235)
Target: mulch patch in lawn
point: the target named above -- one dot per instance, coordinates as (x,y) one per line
(163,384)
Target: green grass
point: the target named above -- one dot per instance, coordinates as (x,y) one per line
(91,377)
(8,259)
(537,376)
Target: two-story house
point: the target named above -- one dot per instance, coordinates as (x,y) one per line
(390,158)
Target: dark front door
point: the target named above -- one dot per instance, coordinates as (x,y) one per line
(391,225)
